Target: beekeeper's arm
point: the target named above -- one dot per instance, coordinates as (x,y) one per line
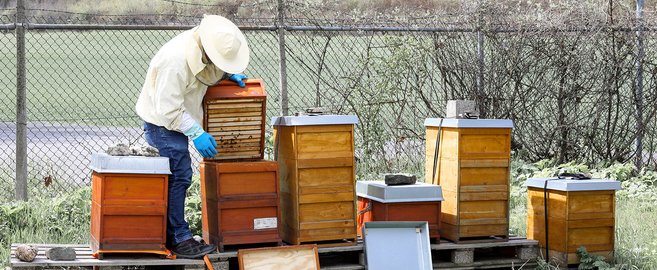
(169,98)
(238,78)
(203,141)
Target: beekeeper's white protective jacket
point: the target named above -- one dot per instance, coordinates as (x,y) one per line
(177,79)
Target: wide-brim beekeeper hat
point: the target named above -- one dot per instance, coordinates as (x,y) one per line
(224,44)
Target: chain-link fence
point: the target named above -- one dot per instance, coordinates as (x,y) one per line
(571,92)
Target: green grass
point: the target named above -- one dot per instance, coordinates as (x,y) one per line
(96,76)
(64,219)
(636,234)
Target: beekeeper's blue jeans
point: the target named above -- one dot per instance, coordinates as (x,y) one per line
(174,145)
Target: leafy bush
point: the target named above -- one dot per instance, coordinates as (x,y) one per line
(193,213)
(591,262)
(74,208)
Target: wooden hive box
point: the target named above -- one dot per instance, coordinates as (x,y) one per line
(235,117)
(316,161)
(418,202)
(240,202)
(580,213)
(129,204)
(472,167)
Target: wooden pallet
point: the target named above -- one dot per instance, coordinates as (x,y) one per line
(334,243)
(489,239)
(482,255)
(236,247)
(219,261)
(446,255)
(84,258)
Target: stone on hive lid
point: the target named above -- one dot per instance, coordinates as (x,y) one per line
(400,179)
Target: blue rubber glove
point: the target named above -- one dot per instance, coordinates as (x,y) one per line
(206,145)
(238,79)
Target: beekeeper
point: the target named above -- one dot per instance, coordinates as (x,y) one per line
(170,104)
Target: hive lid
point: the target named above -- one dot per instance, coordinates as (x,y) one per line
(255,88)
(573,185)
(469,123)
(397,245)
(380,192)
(309,120)
(104,163)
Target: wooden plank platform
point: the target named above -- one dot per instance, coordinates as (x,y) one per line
(85,258)
(513,242)
(488,264)
(475,255)
(446,255)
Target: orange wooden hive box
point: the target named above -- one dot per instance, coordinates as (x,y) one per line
(316,161)
(471,165)
(240,202)
(129,204)
(380,202)
(580,213)
(235,117)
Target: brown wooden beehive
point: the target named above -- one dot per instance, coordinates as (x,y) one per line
(235,117)
(128,212)
(580,213)
(380,202)
(316,161)
(240,202)
(129,204)
(472,168)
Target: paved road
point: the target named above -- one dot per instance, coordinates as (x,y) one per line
(62,150)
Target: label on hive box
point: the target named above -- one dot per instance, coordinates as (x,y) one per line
(264,223)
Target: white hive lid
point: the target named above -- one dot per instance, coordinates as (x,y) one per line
(573,185)
(380,192)
(104,163)
(310,120)
(468,123)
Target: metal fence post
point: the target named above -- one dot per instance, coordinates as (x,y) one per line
(638,85)
(480,63)
(480,72)
(282,75)
(21,106)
